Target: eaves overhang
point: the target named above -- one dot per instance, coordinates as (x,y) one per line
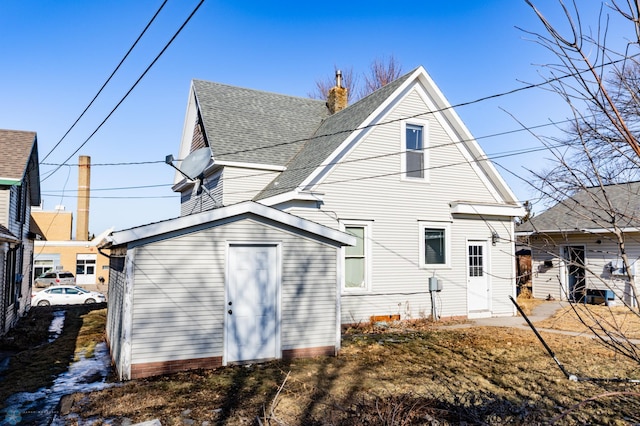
(599,231)
(191,221)
(482,209)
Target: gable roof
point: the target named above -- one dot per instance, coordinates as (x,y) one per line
(260,128)
(222,214)
(586,210)
(20,158)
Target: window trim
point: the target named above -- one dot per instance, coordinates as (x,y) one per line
(425,152)
(367,225)
(446,227)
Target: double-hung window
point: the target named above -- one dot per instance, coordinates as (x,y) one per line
(435,245)
(414,156)
(357,258)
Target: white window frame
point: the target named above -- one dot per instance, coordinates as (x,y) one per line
(446,227)
(425,151)
(368,226)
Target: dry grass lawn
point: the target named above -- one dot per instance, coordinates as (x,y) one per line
(417,375)
(580,318)
(412,374)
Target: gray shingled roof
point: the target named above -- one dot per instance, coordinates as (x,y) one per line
(20,157)
(16,147)
(252,126)
(587,210)
(327,138)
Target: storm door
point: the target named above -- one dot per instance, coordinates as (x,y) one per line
(477,279)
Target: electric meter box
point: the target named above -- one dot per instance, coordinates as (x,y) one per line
(435,284)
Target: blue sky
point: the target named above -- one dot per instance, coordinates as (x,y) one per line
(56,55)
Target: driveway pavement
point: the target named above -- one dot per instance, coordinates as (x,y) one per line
(541,312)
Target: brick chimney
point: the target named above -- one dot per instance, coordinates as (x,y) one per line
(337,98)
(84,178)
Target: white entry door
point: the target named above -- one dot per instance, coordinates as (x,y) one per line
(251,326)
(477,279)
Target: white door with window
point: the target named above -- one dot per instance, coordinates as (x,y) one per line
(251,315)
(477,279)
(86,269)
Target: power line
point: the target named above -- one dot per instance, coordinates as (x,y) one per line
(107,81)
(132,87)
(122,197)
(131,163)
(489,157)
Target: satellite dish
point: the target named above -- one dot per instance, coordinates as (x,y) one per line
(195,163)
(192,168)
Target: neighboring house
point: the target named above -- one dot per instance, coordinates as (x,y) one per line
(575,255)
(19,191)
(397,170)
(56,250)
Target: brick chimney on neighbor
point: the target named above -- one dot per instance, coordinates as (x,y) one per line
(84,178)
(337,98)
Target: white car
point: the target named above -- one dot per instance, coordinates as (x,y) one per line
(66,295)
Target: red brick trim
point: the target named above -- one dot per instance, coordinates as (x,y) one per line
(309,352)
(148,369)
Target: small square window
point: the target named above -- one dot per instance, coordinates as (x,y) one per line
(435,245)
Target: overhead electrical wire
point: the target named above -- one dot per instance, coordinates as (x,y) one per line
(131,88)
(106,82)
(344,131)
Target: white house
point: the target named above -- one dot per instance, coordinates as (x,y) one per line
(359,208)
(397,169)
(575,253)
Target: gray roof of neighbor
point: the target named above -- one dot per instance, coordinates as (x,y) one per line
(252,126)
(588,209)
(20,158)
(16,147)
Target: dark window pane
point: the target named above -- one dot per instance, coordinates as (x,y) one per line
(414,137)
(415,164)
(434,246)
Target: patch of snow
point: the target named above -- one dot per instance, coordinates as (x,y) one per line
(57,324)
(40,407)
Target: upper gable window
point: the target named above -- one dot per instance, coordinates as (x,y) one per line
(414,155)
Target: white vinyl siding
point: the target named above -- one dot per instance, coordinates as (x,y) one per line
(229,185)
(368,184)
(5,196)
(180,292)
(191,203)
(116,323)
(241,184)
(548,279)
